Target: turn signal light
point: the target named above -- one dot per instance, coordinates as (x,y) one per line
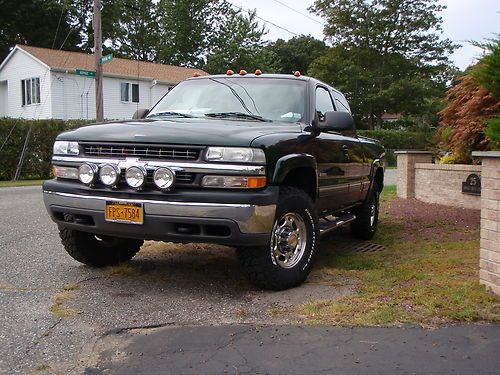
(243,72)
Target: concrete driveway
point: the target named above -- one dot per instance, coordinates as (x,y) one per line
(184,309)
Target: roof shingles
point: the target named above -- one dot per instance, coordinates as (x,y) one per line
(57,59)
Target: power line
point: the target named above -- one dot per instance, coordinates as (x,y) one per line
(299,12)
(264,20)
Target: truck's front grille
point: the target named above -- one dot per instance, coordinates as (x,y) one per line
(166,152)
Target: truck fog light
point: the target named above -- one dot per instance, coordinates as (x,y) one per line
(87,173)
(164,178)
(109,174)
(65,172)
(242,182)
(135,176)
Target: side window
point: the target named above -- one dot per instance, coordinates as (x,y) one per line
(341,102)
(323,102)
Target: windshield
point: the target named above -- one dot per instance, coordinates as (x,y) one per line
(252,99)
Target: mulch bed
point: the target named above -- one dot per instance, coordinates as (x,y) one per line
(416,221)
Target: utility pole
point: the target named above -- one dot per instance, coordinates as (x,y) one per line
(99,109)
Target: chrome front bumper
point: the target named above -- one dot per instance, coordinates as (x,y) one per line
(161,217)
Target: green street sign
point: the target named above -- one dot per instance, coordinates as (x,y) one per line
(104,59)
(85,73)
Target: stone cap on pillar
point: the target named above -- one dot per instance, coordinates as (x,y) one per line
(486,154)
(417,152)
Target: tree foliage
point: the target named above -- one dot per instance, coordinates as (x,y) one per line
(387,56)
(487,72)
(296,53)
(463,119)
(42,23)
(239,44)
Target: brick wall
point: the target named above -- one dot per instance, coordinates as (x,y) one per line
(442,184)
(489,273)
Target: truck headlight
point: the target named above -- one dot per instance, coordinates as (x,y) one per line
(66,148)
(238,182)
(236,154)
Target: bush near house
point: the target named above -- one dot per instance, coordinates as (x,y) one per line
(36,165)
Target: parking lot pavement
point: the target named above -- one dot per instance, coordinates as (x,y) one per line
(54,308)
(300,350)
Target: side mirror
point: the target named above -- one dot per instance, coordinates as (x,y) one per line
(337,121)
(140,113)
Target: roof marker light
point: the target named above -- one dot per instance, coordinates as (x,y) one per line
(258,72)
(296,73)
(243,72)
(196,74)
(229,72)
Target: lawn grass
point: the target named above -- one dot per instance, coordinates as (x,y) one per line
(429,283)
(21,183)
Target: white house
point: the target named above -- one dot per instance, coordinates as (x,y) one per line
(41,83)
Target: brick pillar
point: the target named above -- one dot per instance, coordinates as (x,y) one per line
(489,271)
(406,161)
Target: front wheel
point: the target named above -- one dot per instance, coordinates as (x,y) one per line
(287,260)
(96,250)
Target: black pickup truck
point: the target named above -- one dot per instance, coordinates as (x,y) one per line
(266,163)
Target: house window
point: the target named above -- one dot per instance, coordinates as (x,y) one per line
(129,92)
(30,89)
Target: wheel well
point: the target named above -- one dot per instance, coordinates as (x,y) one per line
(302,178)
(379,178)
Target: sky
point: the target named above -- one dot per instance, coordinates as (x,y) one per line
(463,21)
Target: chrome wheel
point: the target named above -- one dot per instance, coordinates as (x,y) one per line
(289,240)
(373,212)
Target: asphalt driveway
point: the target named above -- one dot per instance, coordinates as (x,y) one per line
(187,309)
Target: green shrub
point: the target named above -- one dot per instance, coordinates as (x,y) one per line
(399,139)
(37,163)
(492,131)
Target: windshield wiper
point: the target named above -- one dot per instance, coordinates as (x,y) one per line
(237,115)
(170,114)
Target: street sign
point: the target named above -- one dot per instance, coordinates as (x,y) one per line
(104,59)
(85,73)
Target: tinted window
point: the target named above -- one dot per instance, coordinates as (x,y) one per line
(341,102)
(323,102)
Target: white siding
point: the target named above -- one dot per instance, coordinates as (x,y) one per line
(157,93)
(21,66)
(73,97)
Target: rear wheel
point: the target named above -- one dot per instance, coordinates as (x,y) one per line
(365,225)
(97,250)
(287,260)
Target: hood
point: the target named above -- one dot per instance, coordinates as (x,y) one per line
(204,132)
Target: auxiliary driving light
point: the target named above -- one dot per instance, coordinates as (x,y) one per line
(164,178)
(87,173)
(135,176)
(109,174)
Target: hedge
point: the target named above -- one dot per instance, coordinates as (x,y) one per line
(37,162)
(36,165)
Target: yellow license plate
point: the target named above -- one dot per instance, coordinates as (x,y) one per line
(131,213)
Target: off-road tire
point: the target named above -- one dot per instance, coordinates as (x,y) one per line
(364,227)
(259,263)
(98,251)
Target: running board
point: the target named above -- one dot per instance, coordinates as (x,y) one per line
(326,226)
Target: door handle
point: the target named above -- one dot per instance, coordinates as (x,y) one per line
(345,149)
